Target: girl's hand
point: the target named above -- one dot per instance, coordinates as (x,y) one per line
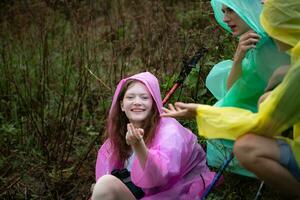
(134,135)
(247,40)
(181,110)
(134,138)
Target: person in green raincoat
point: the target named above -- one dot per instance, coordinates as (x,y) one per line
(241,81)
(260,146)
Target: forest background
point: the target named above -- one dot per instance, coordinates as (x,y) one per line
(60,61)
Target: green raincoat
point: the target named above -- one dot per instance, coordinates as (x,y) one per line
(281,110)
(257,67)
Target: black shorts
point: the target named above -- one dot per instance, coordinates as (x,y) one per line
(124,176)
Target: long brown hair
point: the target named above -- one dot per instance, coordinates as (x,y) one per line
(117,126)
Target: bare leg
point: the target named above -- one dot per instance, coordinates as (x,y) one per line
(260,155)
(109,187)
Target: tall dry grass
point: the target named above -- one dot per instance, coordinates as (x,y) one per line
(60,63)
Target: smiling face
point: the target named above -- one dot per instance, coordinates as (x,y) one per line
(237,25)
(137,103)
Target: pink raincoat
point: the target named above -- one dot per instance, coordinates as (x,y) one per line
(176,165)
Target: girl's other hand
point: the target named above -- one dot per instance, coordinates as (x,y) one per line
(247,40)
(181,110)
(134,135)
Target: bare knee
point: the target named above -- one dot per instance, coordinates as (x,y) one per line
(244,149)
(105,188)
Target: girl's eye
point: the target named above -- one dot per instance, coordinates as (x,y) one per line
(227,10)
(129,97)
(145,97)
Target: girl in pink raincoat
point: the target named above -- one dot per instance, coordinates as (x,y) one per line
(163,159)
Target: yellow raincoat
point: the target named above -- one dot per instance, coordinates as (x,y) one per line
(281,110)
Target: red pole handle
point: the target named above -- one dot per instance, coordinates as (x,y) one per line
(173,89)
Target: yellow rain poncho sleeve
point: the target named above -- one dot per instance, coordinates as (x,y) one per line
(281,110)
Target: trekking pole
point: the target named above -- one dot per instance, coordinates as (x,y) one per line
(186,69)
(260,191)
(217,177)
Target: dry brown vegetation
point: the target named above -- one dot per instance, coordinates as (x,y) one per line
(60,62)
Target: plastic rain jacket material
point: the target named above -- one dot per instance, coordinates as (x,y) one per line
(176,165)
(257,66)
(281,110)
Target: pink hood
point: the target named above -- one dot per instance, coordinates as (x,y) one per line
(149,80)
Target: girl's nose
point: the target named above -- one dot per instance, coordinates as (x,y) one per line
(137,101)
(226,18)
